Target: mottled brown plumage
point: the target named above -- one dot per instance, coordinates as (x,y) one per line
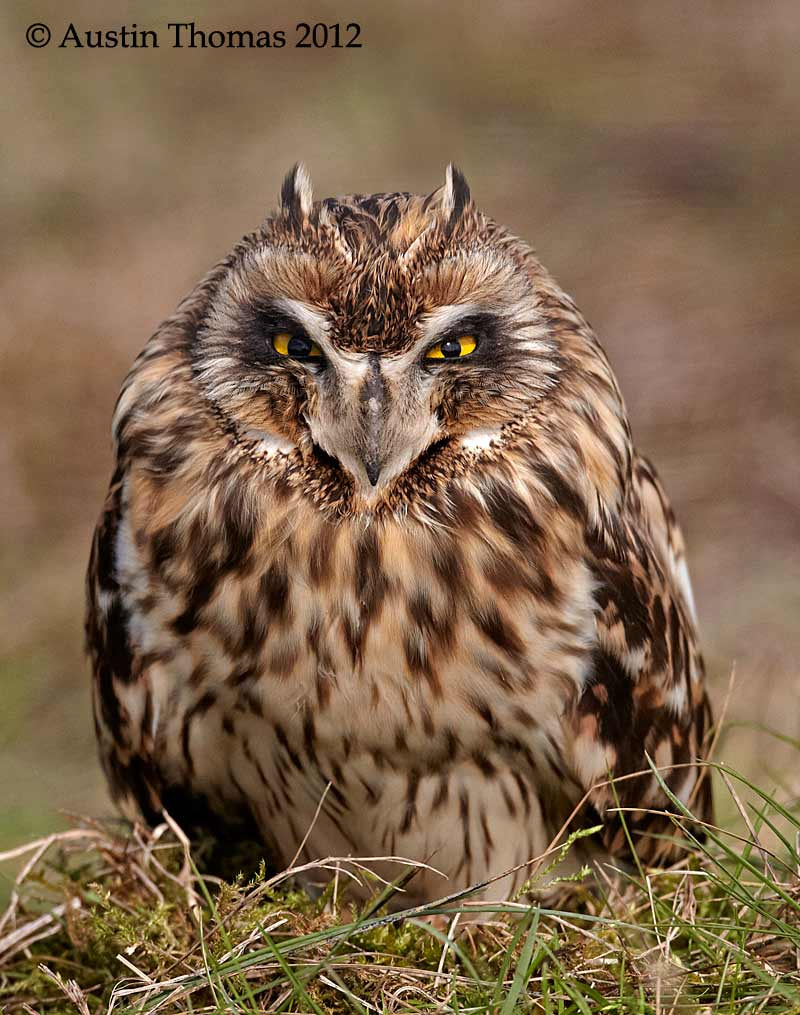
(337,551)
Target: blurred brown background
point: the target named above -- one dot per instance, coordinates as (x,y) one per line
(650,152)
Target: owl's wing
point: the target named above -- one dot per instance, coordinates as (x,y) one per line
(115,666)
(645,695)
(659,518)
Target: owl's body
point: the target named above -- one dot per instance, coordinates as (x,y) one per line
(378,534)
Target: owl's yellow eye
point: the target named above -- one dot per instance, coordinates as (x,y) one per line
(453,348)
(295,346)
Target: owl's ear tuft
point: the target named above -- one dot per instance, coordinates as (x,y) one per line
(296,194)
(449,202)
(455,196)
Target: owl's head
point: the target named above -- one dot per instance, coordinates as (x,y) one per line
(378,340)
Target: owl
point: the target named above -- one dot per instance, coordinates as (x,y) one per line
(379,572)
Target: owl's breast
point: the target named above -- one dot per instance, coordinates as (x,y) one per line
(413,643)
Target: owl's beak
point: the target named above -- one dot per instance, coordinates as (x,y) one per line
(373,471)
(373,397)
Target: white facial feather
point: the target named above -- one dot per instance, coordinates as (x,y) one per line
(443,318)
(312,320)
(481,438)
(270,443)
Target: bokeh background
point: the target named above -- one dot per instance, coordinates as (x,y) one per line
(649,151)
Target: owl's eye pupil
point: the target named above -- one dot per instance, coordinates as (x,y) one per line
(299,345)
(451,348)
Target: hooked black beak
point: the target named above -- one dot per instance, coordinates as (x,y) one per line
(373,470)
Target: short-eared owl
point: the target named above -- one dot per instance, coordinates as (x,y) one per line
(377,526)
